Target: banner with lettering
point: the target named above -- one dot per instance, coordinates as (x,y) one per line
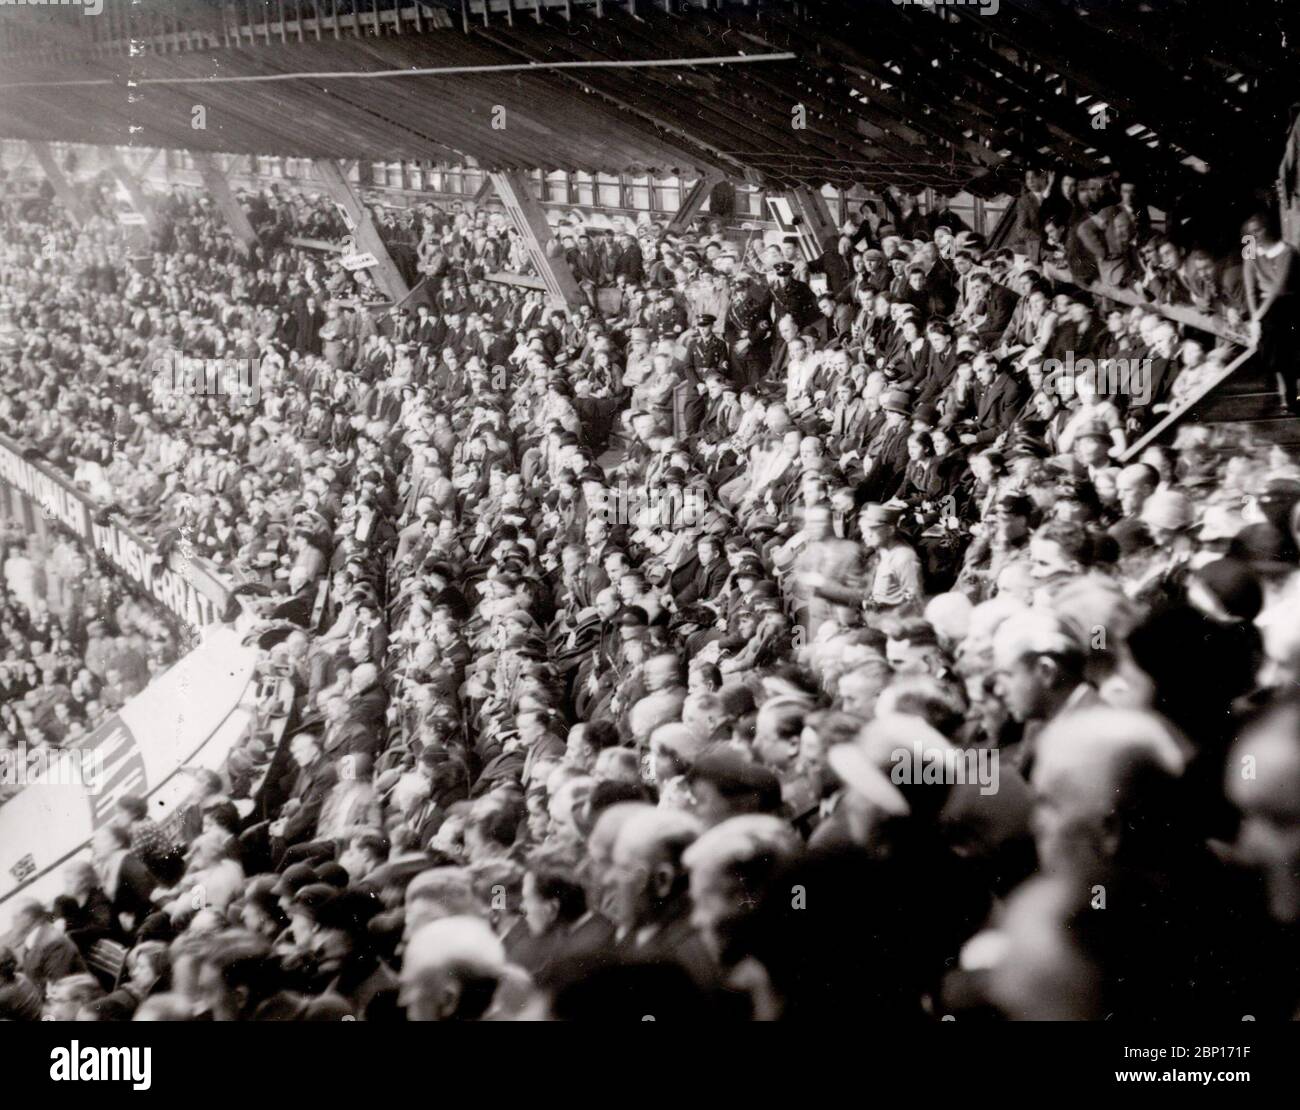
(189,588)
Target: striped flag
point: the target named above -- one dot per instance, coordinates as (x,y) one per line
(122,769)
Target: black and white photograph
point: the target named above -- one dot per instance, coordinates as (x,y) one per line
(650,511)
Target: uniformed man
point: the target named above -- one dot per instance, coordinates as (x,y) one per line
(792,297)
(705,350)
(665,318)
(749,328)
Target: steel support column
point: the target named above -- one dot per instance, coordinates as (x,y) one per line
(810,206)
(62,186)
(364,233)
(481,195)
(139,198)
(692,203)
(214,180)
(530,220)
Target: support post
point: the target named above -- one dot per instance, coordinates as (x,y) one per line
(139,199)
(214,180)
(1288,186)
(385,273)
(21,149)
(62,186)
(481,195)
(530,220)
(810,206)
(693,202)
(150,157)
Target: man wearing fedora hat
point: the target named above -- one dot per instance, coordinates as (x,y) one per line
(895,587)
(886,454)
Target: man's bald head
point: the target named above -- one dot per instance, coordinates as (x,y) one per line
(1105,784)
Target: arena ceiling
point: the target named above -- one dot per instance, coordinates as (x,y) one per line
(952,96)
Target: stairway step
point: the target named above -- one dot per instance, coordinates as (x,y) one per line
(1248,379)
(1283,430)
(1240,406)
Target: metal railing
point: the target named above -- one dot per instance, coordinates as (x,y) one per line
(1188,403)
(1181,314)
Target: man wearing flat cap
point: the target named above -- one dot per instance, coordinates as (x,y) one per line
(876,274)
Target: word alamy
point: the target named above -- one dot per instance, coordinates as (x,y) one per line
(986,7)
(210,377)
(1112,377)
(24,766)
(98,1064)
(951,766)
(93,7)
(653,508)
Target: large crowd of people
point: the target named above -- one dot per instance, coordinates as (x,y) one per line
(428,242)
(766,636)
(76,647)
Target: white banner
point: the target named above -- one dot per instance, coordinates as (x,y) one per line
(190,716)
(187,587)
(362,261)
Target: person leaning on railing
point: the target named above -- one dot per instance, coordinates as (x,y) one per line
(1271,273)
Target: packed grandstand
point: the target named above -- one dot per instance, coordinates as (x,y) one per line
(770,633)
